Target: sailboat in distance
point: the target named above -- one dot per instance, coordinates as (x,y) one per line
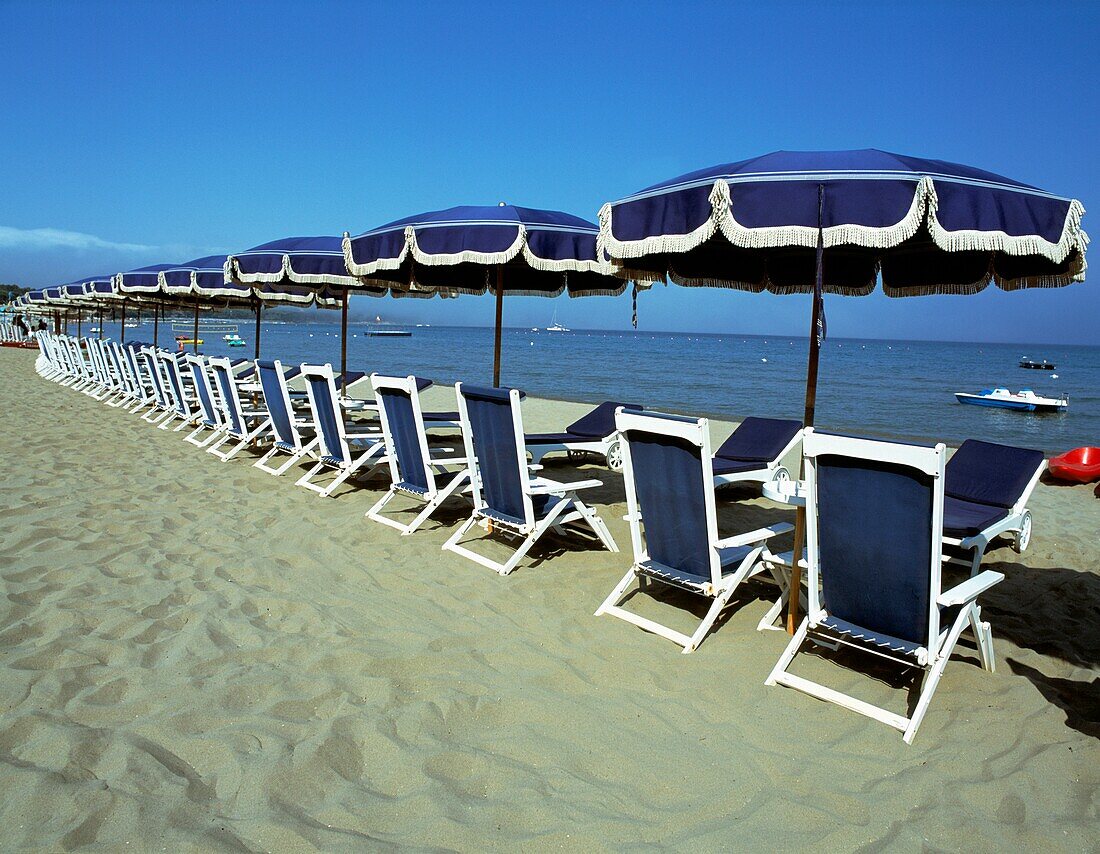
(557,327)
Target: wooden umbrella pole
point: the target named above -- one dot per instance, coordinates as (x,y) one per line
(79,322)
(256,349)
(808,416)
(99,323)
(156,324)
(344,344)
(195,337)
(500,318)
(122,334)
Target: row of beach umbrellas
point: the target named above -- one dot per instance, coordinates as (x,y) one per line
(789,222)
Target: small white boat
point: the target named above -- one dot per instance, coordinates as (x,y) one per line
(233,340)
(1025,400)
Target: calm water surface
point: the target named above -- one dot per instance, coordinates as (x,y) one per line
(902,389)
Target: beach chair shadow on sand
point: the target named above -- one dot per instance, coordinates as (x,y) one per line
(674,523)
(874,525)
(507,499)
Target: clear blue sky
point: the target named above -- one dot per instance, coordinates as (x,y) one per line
(136,133)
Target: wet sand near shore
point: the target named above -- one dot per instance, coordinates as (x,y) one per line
(195,655)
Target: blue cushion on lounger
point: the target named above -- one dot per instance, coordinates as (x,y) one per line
(600,422)
(549,438)
(966,518)
(722,466)
(988,473)
(759,439)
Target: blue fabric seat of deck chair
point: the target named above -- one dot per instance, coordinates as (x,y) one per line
(202,390)
(668,480)
(757,440)
(875,540)
(326,419)
(276,405)
(225,386)
(494,440)
(406,440)
(982,482)
(594,425)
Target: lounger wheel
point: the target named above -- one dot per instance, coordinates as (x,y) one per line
(1023,536)
(781,475)
(615,456)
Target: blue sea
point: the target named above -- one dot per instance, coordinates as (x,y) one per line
(901,389)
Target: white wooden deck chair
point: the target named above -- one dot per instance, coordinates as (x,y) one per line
(755,451)
(162,403)
(110,383)
(986,490)
(336,439)
(507,500)
(414,466)
(183,410)
(135,392)
(239,425)
(132,355)
(101,385)
(45,364)
(120,385)
(874,525)
(287,426)
(674,523)
(207,420)
(593,433)
(82,372)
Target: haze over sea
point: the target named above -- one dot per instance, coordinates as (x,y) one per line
(901,389)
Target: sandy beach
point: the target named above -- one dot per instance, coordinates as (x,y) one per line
(199,656)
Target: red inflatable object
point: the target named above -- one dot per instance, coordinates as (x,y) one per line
(1081,465)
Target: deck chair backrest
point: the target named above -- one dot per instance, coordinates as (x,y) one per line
(171,367)
(156,379)
(123,368)
(321,389)
(95,359)
(987,473)
(115,363)
(277,398)
(203,391)
(403,428)
(492,429)
(79,363)
(134,359)
(233,414)
(668,475)
(874,533)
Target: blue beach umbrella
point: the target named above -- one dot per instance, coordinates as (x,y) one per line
(821,222)
(468,250)
(304,271)
(202,280)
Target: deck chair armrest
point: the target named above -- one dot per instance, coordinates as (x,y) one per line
(448,461)
(544,487)
(970,589)
(757,536)
(534,467)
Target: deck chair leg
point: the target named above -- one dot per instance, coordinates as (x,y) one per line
(615,595)
(305,479)
(932,680)
(598,526)
(456,483)
(451,545)
(983,636)
(788,654)
(723,598)
(375,512)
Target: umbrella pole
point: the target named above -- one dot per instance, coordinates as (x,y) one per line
(79,322)
(99,322)
(256,350)
(500,317)
(195,337)
(122,322)
(344,345)
(808,417)
(156,323)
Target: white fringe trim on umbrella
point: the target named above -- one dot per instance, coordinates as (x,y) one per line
(378,264)
(344,281)
(924,207)
(233,274)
